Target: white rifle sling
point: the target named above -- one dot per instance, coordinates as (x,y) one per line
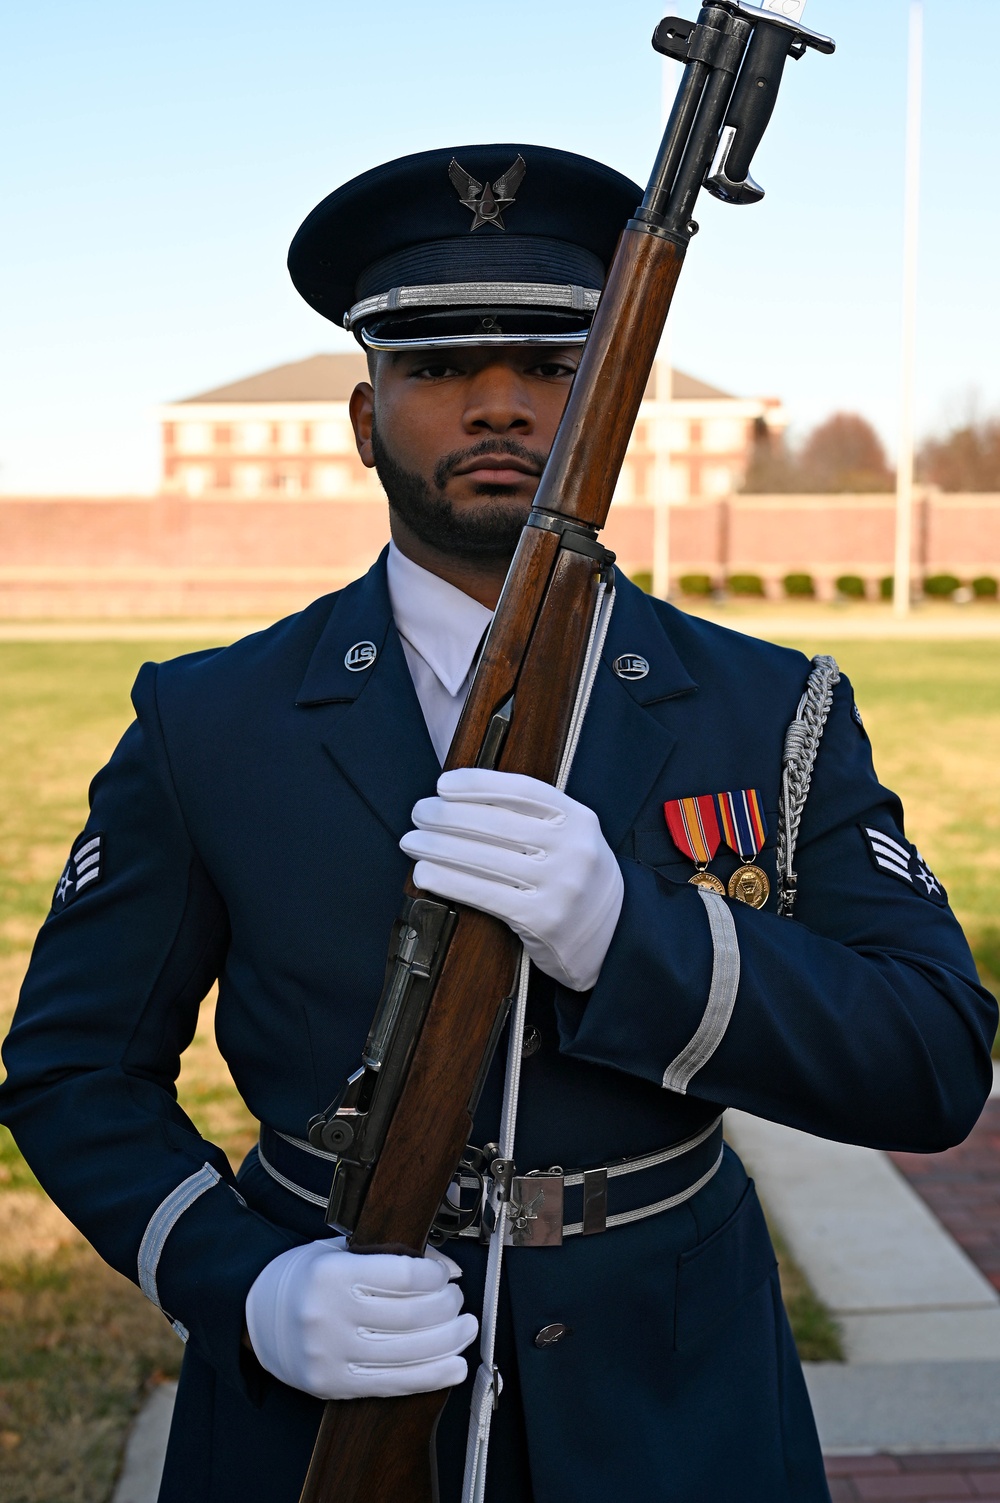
(488,1384)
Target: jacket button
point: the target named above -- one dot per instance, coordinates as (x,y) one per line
(531,1042)
(549,1335)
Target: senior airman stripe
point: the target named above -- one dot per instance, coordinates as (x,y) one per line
(904,862)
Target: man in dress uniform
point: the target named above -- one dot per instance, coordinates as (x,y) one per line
(255,826)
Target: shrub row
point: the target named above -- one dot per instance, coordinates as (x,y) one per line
(943,586)
(802,586)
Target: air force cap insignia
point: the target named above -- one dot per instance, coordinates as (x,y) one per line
(901,860)
(83,870)
(487,201)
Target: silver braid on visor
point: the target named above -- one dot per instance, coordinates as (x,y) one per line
(450,341)
(570,299)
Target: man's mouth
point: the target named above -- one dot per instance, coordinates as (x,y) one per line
(497,469)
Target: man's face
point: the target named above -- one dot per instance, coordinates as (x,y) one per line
(459,439)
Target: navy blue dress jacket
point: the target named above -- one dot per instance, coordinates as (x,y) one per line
(248,828)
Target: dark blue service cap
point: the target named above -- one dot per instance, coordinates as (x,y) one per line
(503,244)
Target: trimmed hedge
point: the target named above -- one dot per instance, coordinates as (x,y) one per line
(941,586)
(885,587)
(799,585)
(984,587)
(745,584)
(851,586)
(644,579)
(696,584)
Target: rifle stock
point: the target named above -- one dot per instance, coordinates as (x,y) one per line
(363,1450)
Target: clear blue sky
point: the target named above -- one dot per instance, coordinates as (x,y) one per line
(158,158)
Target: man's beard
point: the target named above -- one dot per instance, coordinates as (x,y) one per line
(490,531)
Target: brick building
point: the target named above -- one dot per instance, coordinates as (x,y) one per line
(264,505)
(286,432)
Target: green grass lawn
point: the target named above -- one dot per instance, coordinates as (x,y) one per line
(932,710)
(80,1343)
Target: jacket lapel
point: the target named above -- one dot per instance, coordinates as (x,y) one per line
(374,730)
(624,746)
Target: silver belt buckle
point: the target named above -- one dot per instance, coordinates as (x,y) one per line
(535,1216)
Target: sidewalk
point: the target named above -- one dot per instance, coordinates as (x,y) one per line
(920,1318)
(962,1188)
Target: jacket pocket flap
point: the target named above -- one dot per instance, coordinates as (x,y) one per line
(714,1277)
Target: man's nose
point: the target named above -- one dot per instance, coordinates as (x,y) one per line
(498,401)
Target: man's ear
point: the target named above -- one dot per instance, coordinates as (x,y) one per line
(362,410)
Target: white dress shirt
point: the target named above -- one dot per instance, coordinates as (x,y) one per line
(441,629)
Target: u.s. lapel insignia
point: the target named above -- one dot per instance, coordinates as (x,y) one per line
(631,666)
(359,657)
(901,860)
(84,869)
(487,201)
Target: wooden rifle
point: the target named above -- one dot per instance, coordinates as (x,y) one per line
(402,1123)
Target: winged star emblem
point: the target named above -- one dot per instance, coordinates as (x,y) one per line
(487,201)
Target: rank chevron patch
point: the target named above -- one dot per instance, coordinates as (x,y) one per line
(902,860)
(84,869)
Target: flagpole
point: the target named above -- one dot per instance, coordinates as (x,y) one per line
(664,377)
(902,572)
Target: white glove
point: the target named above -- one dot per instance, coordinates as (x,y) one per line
(521,850)
(343,1325)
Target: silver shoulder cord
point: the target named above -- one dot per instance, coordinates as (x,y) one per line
(488,1384)
(801,745)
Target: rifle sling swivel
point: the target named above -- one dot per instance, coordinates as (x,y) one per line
(575,536)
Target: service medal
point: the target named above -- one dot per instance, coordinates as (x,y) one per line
(694,826)
(750,885)
(745,830)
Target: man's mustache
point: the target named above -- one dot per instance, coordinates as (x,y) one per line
(509,447)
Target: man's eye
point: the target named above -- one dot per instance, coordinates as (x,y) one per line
(555,368)
(435,372)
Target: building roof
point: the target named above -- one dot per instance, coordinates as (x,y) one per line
(683,387)
(332,378)
(321,378)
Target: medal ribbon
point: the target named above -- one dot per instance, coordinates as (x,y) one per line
(694,826)
(744,827)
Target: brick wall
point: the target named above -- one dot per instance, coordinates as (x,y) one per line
(154,556)
(170,556)
(824,536)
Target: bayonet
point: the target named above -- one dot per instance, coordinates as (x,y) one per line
(774,33)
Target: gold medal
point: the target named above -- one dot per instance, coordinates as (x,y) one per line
(750,885)
(703,878)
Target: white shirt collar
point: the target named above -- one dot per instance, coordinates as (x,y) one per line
(440,621)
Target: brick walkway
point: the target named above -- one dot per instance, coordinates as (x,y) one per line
(921,1479)
(962,1188)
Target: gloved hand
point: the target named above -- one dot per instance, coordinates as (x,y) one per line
(521,850)
(343,1325)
